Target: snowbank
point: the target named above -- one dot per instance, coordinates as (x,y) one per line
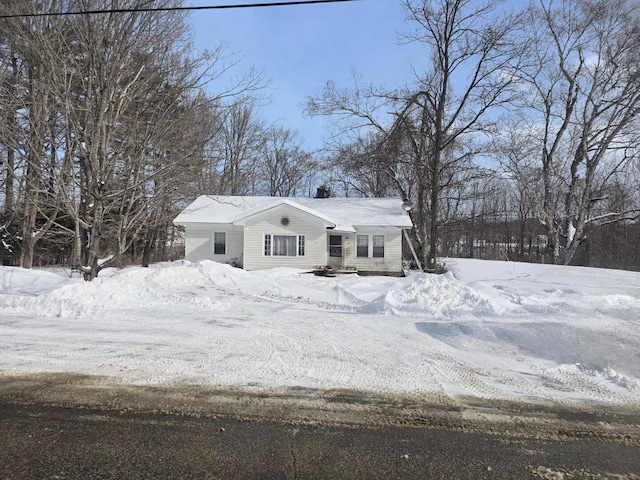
(490,329)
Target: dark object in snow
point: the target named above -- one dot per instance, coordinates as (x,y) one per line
(324,271)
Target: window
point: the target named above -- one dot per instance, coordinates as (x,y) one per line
(267,245)
(370,246)
(378,246)
(219,243)
(362,245)
(284,245)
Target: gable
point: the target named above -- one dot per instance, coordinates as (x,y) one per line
(278,210)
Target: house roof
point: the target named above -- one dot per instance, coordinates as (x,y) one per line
(341,213)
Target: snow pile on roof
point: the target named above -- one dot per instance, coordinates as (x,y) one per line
(493,330)
(340,211)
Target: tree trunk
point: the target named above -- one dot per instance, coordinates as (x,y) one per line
(91,254)
(29,215)
(9,197)
(148,248)
(9,179)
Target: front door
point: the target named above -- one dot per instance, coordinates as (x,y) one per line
(335,251)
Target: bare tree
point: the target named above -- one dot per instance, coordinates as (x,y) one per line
(10,80)
(132,89)
(283,164)
(359,171)
(238,146)
(470,48)
(32,125)
(580,95)
(438,126)
(105,123)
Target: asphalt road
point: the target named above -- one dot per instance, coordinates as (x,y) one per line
(46,435)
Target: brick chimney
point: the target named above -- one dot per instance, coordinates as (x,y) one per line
(322,192)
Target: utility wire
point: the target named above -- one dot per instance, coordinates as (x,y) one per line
(171,9)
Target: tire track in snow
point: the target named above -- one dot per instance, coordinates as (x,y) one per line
(314,358)
(465,376)
(578,385)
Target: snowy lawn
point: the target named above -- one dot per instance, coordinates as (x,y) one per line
(494,330)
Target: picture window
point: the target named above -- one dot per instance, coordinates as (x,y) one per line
(284,245)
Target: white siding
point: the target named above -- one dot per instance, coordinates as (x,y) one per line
(268,223)
(392,260)
(199,242)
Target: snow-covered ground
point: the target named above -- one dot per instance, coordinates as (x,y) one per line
(496,330)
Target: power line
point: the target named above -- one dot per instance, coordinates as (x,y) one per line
(171,9)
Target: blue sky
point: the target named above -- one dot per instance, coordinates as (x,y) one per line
(301,47)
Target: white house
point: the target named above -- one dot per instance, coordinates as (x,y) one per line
(361,234)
